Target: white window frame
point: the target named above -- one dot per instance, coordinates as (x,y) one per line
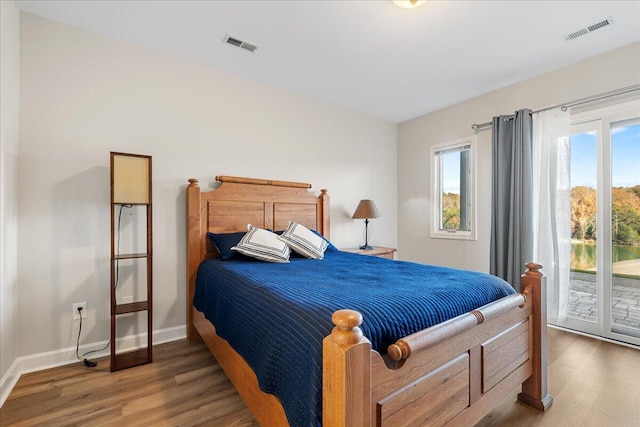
(436,183)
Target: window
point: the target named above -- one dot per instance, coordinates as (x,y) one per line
(453,190)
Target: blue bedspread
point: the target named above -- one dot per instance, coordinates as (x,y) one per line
(276,315)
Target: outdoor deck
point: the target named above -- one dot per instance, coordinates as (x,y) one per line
(625,300)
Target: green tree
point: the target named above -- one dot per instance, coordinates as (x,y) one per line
(583,213)
(625,211)
(625,214)
(451,211)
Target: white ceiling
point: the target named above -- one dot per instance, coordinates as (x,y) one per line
(368,56)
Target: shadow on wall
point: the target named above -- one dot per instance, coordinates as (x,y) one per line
(80,250)
(177,307)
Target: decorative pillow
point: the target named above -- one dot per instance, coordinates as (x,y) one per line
(293,254)
(224,242)
(262,244)
(304,241)
(330,246)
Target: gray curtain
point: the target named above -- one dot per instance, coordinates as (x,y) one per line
(512,196)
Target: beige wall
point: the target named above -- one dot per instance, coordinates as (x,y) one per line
(83,95)
(9,125)
(603,73)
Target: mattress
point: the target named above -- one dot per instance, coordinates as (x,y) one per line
(276,315)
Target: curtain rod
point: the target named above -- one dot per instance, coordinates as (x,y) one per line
(580,101)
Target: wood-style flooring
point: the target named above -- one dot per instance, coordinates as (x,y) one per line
(594,383)
(184,386)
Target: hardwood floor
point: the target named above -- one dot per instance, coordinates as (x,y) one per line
(593,383)
(183,386)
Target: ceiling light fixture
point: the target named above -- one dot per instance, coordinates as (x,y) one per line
(409,4)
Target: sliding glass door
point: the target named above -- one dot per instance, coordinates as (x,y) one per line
(604,292)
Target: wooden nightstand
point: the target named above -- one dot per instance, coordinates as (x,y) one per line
(378,251)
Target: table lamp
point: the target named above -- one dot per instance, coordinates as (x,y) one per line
(366,210)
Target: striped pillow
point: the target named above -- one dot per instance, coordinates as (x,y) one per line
(263,245)
(304,241)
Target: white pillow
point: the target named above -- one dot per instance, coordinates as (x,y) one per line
(304,241)
(262,244)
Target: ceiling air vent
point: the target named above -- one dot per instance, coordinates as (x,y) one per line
(590,28)
(243,44)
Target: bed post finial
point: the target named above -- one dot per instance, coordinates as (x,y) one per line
(534,389)
(193,182)
(346,360)
(533,269)
(347,330)
(324,213)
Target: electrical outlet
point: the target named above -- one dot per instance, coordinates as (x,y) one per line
(76,315)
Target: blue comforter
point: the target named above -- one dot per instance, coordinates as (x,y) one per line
(276,315)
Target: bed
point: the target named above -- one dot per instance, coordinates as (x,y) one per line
(454,372)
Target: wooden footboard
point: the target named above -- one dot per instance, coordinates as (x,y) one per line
(453,373)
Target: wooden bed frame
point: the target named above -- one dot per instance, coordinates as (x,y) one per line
(452,373)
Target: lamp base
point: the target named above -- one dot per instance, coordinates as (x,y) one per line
(366,247)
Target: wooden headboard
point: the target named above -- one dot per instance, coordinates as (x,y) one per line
(241,201)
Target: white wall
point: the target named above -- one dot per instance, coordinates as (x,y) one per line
(603,73)
(84,95)
(9,125)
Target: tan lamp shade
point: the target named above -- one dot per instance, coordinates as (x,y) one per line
(130,175)
(366,209)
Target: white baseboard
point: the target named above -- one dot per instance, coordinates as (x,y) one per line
(67,356)
(8,381)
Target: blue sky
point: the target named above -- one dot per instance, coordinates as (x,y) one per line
(451,172)
(625,157)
